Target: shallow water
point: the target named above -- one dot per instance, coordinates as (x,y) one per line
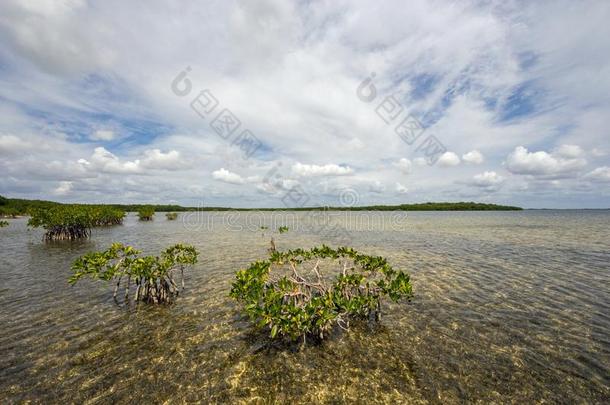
(508,307)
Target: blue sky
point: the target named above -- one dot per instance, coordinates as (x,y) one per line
(518,102)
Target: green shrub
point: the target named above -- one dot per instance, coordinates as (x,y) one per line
(171,216)
(152,276)
(8,212)
(63,222)
(291,302)
(3,224)
(104,215)
(146,213)
(69,222)
(282,229)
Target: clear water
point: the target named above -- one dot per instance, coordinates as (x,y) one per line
(508,307)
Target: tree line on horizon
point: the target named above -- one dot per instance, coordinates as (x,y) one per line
(11,207)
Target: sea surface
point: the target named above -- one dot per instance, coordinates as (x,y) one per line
(508,307)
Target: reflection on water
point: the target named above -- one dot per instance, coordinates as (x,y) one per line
(508,307)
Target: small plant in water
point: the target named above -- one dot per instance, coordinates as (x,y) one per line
(64,222)
(69,222)
(171,216)
(146,213)
(263,229)
(106,216)
(293,302)
(152,276)
(281,230)
(3,224)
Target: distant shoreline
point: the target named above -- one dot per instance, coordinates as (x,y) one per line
(10,207)
(15,206)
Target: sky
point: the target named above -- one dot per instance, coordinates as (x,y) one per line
(298,103)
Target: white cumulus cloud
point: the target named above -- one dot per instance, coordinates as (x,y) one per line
(541,163)
(226,176)
(487,179)
(105,161)
(569,151)
(474,157)
(448,159)
(601,174)
(155,159)
(401,189)
(330,169)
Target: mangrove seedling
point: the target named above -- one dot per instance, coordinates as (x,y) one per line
(293,301)
(146,213)
(171,216)
(3,224)
(153,277)
(281,230)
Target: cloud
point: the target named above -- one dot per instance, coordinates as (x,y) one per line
(401,189)
(420,161)
(55,38)
(155,159)
(404,165)
(569,151)
(107,162)
(600,174)
(597,152)
(448,159)
(541,163)
(226,176)
(474,157)
(74,72)
(102,135)
(376,187)
(487,180)
(12,144)
(305,170)
(64,188)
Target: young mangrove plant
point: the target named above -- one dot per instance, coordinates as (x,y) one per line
(289,294)
(106,215)
(8,212)
(263,229)
(69,222)
(281,230)
(63,222)
(171,216)
(152,277)
(3,224)
(146,213)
